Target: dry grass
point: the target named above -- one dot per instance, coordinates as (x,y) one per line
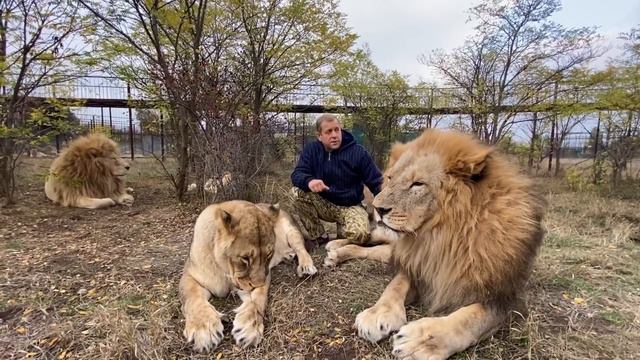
(103,284)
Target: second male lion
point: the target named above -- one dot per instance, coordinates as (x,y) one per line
(235,244)
(467,227)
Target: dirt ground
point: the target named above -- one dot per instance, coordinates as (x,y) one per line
(88,284)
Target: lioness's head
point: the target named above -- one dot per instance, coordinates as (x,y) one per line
(247,241)
(422,173)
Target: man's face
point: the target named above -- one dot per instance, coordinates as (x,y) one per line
(330,135)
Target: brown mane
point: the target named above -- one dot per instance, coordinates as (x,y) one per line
(480,246)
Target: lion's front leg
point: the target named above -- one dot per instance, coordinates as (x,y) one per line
(437,338)
(203,323)
(388,314)
(248,325)
(337,256)
(93,203)
(124,199)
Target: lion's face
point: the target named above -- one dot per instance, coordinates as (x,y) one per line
(411,188)
(114,164)
(249,243)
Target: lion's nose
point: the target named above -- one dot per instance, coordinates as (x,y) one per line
(127,167)
(382,211)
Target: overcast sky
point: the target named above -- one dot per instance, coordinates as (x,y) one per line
(398,31)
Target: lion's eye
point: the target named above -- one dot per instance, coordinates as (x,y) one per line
(417,184)
(246,260)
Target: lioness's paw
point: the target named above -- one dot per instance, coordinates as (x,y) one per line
(204,328)
(427,338)
(129,190)
(332,259)
(248,327)
(377,322)
(125,199)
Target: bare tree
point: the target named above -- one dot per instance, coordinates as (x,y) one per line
(38,50)
(516,53)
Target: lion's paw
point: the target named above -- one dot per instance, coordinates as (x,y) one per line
(336,244)
(427,338)
(248,327)
(205,329)
(129,190)
(306,269)
(377,322)
(125,199)
(332,259)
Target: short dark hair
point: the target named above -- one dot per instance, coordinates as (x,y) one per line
(325,118)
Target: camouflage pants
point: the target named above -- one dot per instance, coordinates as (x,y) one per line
(309,208)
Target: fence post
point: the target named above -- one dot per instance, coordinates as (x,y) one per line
(596,165)
(130,120)
(161,136)
(102,117)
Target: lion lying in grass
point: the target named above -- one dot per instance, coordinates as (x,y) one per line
(235,244)
(464,229)
(89,173)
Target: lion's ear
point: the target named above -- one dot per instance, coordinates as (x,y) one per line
(275,207)
(93,152)
(397,149)
(471,165)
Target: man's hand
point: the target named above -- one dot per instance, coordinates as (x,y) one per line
(317,186)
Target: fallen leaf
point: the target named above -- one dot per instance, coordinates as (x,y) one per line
(578,301)
(22,330)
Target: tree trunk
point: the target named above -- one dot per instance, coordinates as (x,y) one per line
(552,145)
(532,145)
(182,151)
(7,171)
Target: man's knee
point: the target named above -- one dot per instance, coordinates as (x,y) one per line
(357,236)
(356,225)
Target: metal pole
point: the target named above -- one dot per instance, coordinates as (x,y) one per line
(110,120)
(101,116)
(596,170)
(161,137)
(130,121)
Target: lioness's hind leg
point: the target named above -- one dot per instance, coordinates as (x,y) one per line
(203,323)
(305,262)
(380,253)
(93,203)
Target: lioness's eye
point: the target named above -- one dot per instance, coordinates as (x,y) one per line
(416,184)
(246,260)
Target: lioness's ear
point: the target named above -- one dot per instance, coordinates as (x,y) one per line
(471,165)
(275,207)
(227,220)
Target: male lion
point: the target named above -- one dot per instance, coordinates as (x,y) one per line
(235,244)
(467,229)
(89,173)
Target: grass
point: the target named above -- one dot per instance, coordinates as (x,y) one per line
(96,284)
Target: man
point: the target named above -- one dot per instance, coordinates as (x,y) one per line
(328,183)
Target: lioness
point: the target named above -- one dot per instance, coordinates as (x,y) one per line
(466,229)
(235,244)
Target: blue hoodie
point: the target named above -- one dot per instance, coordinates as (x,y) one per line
(343,170)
